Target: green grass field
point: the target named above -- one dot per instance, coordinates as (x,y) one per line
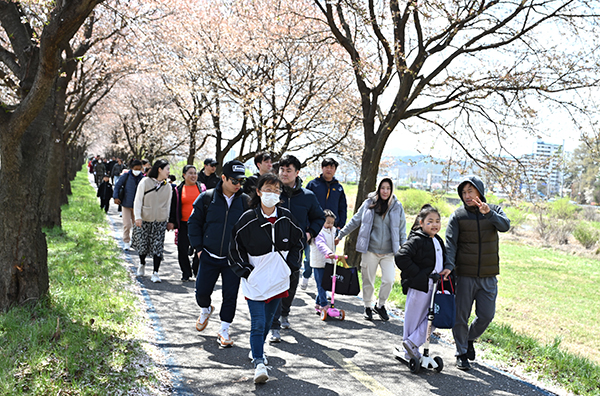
(98,348)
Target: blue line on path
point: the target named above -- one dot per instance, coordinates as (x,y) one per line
(178,386)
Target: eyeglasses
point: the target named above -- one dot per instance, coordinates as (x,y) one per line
(269,190)
(235,182)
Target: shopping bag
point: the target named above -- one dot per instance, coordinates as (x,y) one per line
(346,280)
(444,307)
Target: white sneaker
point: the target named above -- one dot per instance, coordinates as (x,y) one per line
(264,357)
(155,277)
(120,214)
(127,246)
(304,283)
(260,374)
(224,339)
(141,270)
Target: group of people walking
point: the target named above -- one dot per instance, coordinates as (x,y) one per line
(255,230)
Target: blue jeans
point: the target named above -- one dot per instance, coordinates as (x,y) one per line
(307,268)
(321,294)
(261,317)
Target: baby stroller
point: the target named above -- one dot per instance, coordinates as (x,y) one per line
(426,361)
(331,311)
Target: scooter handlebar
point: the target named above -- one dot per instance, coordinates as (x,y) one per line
(335,256)
(435,277)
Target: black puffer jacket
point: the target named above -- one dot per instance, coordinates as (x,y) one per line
(416,259)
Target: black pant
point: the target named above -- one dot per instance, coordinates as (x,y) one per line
(286,303)
(105,204)
(210,269)
(156,261)
(183,249)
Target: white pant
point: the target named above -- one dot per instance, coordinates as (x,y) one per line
(415,315)
(370,262)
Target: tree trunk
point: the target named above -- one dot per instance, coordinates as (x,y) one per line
(23,250)
(55,194)
(371,158)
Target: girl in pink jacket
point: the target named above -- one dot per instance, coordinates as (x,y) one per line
(325,246)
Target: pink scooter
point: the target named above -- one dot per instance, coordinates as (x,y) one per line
(332,311)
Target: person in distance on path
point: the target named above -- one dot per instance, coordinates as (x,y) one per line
(105,192)
(472,248)
(209,228)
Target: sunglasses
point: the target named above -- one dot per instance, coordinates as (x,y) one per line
(235,182)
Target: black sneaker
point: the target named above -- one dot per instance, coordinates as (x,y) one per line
(462,363)
(381,311)
(368,313)
(471,351)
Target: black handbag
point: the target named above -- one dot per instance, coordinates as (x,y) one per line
(346,280)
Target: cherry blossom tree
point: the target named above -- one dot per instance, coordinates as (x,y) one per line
(32,40)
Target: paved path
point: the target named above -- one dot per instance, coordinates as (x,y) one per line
(351,357)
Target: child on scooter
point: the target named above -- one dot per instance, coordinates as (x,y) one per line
(325,247)
(423,253)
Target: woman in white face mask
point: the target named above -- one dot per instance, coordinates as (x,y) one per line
(266,247)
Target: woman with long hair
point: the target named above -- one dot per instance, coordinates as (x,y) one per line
(382,232)
(151,209)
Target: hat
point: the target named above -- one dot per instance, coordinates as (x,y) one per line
(211,162)
(234,169)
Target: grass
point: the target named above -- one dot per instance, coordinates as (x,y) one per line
(96,350)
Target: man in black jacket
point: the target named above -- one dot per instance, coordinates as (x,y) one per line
(208,175)
(209,229)
(472,248)
(306,209)
(264,164)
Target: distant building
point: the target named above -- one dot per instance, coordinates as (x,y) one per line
(544,169)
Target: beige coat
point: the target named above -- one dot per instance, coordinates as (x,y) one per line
(155,205)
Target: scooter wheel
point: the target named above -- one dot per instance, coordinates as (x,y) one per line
(414,365)
(342,314)
(439,362)
(324,314)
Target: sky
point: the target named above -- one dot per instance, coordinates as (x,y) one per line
(401,143)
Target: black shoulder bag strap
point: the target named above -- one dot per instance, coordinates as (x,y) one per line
(156,188)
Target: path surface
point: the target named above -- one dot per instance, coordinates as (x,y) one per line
(351,357)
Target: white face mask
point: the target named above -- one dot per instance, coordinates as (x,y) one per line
(136,172)
(269,199)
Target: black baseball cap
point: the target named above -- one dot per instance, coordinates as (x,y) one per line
(234,169)
(211,162)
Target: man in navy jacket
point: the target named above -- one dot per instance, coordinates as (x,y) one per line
(128,182)
(210,227)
